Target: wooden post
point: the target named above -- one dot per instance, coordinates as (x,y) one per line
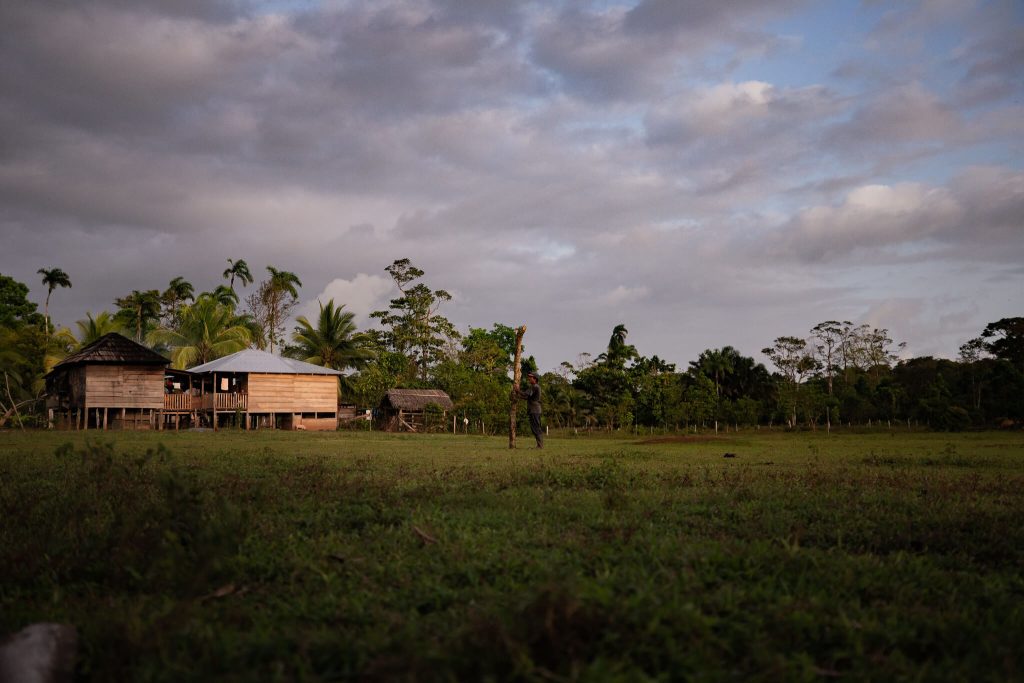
(215,401)
(85,424)
(517,376)
(104,419)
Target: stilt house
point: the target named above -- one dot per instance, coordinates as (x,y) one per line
(113,382)
(257,389)
(406,409)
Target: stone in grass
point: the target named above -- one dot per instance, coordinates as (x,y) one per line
(39,653)
(729,455)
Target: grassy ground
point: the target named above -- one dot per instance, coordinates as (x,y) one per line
(302,556)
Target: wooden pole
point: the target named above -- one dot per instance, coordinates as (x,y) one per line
(105,419)
(215,401)
(517,376)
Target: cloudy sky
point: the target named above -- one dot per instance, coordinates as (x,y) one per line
(707,173)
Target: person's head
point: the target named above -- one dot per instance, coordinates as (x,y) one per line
(531,377)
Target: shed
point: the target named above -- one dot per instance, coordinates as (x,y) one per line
(113,382)
(406,409)
(264,390)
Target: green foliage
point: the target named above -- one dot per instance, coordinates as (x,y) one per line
(412,325)
(206,330)
(333,343)
(15,308)
(139,312)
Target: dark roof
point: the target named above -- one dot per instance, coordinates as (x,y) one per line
(113,348)
(417,399)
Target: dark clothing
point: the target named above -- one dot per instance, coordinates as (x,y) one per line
(532,396)
(538,431)
(533,409)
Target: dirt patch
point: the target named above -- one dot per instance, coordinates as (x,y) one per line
(678,439)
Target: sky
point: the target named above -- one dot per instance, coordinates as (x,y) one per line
(705,173)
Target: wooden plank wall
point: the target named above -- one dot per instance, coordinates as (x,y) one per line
(293,393)
(124,386)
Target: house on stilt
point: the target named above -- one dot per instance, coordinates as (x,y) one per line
(258,390)
(112,383)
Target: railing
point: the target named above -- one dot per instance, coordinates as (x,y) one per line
(185,403)
(225,401)
(180,403)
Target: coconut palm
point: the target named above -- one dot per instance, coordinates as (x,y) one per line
(90,329)
(206,331)
(239,269)
(333,343)
(52,279)
(223,295)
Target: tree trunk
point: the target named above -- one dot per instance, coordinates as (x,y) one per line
(517,376)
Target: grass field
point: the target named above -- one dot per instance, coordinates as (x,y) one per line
(354,556)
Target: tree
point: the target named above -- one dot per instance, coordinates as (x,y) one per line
(716,364)
(237,269)
(206,330)
(333,343)
(15,308)
(413,326)
(830,337)
(177,293)
(1005,340)
(271,303)
(225,296)
(52,278)
(139,310)
(90,329)
(790,356)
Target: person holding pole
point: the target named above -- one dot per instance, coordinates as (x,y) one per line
(533,407)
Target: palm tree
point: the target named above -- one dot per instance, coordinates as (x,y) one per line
(206,331)
(178,292)
(225,296)
(281,283)
(618,351)
(52,278)
(91,329)
(716,364)
(139,309)
(239,269)
(333,343)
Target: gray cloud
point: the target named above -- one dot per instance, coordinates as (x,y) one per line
(569,168)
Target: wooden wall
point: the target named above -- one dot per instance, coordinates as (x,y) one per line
(293,393)
(123,386)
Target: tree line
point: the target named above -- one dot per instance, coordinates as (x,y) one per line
(836,373)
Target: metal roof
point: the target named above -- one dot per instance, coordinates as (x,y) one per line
(251,360)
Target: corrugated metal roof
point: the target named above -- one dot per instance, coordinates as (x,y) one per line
(252,360)
(114,348)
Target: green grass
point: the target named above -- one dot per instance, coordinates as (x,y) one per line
(354,556)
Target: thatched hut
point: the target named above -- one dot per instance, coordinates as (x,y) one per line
(264,390)
(407,409)
(113,382)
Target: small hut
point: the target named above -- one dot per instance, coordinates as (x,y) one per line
(263,390)
(406,409)
(113,382)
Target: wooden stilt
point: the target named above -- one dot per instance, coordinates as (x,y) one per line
(104,419)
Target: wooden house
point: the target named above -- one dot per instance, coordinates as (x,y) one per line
(406,409)
(256,389)
(113,382)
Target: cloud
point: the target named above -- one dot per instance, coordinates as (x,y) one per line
(360,295)
(980,211)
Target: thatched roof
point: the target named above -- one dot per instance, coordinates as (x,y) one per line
(416,399)
(111,349)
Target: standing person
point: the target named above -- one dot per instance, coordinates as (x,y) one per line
(533,408)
